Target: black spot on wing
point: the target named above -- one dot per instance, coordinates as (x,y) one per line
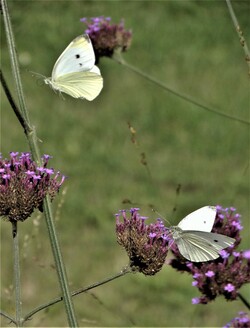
(77,57)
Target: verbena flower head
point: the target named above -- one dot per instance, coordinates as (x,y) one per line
(225,275)
(24,185)
(242,321)
(107,37)
(145,244)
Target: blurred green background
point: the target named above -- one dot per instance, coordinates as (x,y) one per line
(193,48)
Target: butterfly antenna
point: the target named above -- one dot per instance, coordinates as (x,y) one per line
(37,74)
(161,216)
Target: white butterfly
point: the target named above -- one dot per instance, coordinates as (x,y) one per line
(75,72)
(194,239)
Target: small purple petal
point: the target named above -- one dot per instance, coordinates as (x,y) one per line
(237,225)
(40,169)
(196,275)
(221,216)
(195,300)
(236,254)
(30,173)
(49,171)
(209,273)
(246,254)
(229,288)
(13,154)
(224,254)
(36,177)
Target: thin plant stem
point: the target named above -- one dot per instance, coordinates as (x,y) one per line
(5,315)
(31,134)
(77,292)
(118,58)
(58,259)
(19,115)
(17,280)
(244,301)
(32,140)
(240,33)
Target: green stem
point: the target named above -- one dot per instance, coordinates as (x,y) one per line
(14,61)
(17,280)
(32,140)
(5,315)
(239,32)
(118,58)
(244,301)
(17,111)
(77,292)
(59,263)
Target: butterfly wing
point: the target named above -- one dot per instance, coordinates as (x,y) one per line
(79,56)
(85,85)
(200,246)
(201,219)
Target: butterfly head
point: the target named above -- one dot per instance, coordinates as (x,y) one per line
(53,85)
(175,232)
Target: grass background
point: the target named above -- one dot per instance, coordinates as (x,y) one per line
(193,48)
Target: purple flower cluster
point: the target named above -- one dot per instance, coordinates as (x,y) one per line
(24,185)
(146,245)
(106,37)
(242,321)
(225,275)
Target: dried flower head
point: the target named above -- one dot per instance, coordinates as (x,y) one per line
(242,321)
(106,37)
(24,185)
(146,245)
(225,275)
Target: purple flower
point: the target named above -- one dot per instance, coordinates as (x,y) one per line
(145,244)
(221,216)
(209,274)
(229,288)
(30,173)
(194,283)
(242,321)
(224,254)
(24,185)
(232,267)
(49,171)
(237,225)
(13,154)
(246,254)
(236,254)
(6,176)
(196,275)
(107,38)
(195,300)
